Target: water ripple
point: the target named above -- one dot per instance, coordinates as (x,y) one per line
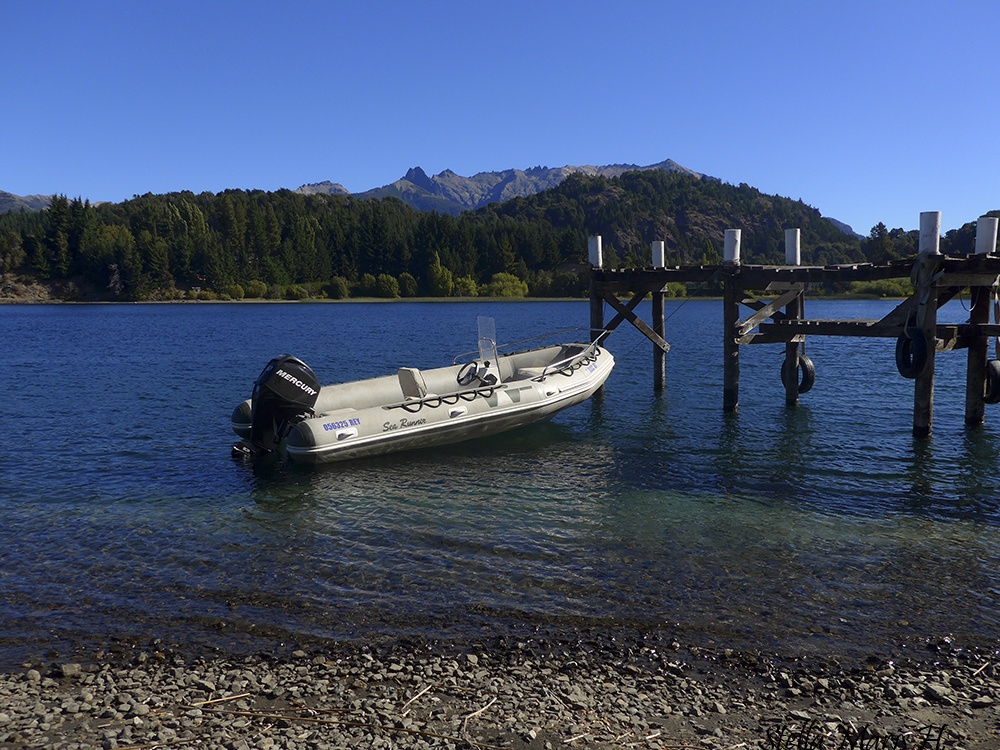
(825,527)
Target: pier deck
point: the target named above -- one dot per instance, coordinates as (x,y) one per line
(774,297)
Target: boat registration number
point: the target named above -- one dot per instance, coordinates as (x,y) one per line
(329,426)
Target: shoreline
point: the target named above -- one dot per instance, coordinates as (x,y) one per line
(20,293)
(395,300)
(544,693)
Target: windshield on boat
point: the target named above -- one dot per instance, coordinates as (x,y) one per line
(487,339)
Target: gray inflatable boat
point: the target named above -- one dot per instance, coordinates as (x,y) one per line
(481,393)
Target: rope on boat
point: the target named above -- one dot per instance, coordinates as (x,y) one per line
(434,401)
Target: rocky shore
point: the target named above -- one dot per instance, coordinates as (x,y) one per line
(519,694)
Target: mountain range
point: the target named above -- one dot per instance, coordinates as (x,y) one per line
(451,193)
(448,192)
(11,202)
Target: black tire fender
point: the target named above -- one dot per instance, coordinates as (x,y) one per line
(805,367)
(911,353)
(992,382)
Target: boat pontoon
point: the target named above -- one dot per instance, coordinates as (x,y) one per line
(481,393)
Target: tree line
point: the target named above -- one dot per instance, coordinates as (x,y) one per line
(284,244)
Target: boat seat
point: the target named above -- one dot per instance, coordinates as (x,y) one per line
(411,382)
(506,369)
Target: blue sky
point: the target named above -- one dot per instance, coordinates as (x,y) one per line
(869,111)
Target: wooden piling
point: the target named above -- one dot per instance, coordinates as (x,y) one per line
(730,324)
(596,302)
(793,311)
(979,314)
(926,294)
(659,323)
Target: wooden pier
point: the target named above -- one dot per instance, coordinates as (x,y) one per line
(780,318)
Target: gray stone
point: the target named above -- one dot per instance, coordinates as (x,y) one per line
(935,691)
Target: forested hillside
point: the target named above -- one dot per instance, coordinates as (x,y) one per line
(287,245)
(689,214)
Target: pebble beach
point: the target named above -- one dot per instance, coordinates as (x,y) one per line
(593,692)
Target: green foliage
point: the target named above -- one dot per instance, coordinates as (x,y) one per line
(338,288)
(881,288)
(367,286)
(12,253)
(296,292)
(387,286)
(439,279)
(883,245)
(234,291)
(504,285)
(465,286)
(407,285)
(255,289)
(547,283)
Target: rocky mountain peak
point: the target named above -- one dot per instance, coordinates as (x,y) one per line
(419,177)
(451,193)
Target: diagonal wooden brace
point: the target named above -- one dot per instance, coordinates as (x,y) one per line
(625,313)
(768,310)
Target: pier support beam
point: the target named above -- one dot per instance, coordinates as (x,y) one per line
(926,294)
(730,324)
(659,327)
(978,352)
(793,311)
(596,302)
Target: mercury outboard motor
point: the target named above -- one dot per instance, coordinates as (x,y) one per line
(284,394)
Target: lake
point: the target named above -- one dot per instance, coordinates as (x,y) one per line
(822,529)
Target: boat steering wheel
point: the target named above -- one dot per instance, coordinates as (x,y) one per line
(468,373)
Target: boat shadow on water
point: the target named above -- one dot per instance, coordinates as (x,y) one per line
(550,456)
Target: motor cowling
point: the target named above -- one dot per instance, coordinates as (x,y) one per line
(284,394)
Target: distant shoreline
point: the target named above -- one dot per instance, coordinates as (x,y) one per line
(397,300)
(35,293)
(352,300)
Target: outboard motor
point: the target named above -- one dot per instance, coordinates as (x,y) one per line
(284,394)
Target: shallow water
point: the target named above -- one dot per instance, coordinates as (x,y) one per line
(820,529)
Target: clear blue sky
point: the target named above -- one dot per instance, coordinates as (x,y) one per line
(869,111)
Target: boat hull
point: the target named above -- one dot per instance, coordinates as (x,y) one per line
(375,418)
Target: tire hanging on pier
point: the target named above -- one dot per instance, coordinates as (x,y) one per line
(804,366)
(992,382)
(911,353)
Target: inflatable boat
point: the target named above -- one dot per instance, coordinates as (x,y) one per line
(487,394)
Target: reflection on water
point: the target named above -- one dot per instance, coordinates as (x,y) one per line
(821,528)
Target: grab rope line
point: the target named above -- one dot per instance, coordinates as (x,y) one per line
(435,401)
